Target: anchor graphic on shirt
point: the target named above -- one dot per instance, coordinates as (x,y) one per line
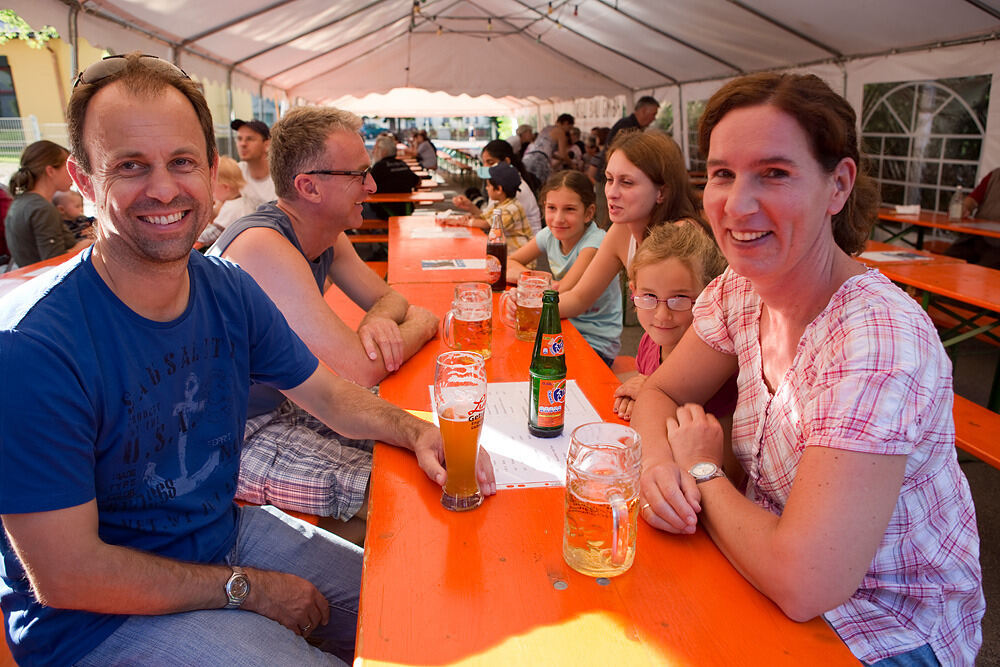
(184,483)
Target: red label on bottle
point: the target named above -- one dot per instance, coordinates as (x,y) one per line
(492,269)
(552,345)
(551,401)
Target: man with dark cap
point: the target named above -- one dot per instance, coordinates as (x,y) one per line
(253,139)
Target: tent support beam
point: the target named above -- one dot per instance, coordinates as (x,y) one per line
(792,31)
(240,19)
(979,4)
(308,32)
(556,51)
(666,76)
(674,38)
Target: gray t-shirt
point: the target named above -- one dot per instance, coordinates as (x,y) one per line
(35,230)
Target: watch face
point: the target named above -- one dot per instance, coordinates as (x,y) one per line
(703,469)
(239,587)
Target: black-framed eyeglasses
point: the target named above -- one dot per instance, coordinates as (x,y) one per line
(111,65)
(339,172)
(678,303)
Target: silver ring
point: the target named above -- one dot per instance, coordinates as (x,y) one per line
(306,629)
(644,507)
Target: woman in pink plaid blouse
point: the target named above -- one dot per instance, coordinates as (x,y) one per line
(850,502)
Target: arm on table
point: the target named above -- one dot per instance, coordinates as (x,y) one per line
(284,275)
(814,556)
(517,260)
(70,567)
(391,327)
(356,413)
(601,270)
(692,373)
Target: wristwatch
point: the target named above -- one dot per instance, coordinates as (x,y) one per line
(237,588)
(702,472)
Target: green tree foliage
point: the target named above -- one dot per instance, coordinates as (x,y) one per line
(13,26)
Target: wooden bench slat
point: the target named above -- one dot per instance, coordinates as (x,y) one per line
(368,238)
(977,431)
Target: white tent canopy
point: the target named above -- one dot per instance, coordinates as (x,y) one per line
(319,50)
(537,58)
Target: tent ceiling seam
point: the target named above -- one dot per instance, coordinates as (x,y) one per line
(230,23)
(604,46)
(978,4)
(671,37)
(790,30)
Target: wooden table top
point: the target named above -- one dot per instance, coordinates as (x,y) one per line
(879,246)
(490,586)
(420,196)
(940,221)
(969,283)
(406,253)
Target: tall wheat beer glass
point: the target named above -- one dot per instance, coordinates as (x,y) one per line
(460,400)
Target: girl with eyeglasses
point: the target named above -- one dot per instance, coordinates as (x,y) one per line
(670,269)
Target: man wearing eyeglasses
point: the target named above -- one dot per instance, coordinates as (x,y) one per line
(295,248)
(126,372)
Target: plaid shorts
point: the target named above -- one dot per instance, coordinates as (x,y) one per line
(293,461)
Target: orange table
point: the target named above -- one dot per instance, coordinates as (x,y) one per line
(17,277)
(406,197)
(879,246)
(934,220)
(490,586)
(406,253)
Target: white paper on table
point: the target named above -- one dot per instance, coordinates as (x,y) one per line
(10,284)
(908,209)
(893,256)
(432,264)
(520,460)
(440,233)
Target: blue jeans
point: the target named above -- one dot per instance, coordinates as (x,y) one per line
(918,657)
(270,540)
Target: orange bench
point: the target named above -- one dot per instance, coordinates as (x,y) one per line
(977,431)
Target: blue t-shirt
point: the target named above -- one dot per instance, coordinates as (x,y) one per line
(601,324)
(147,417)
(264,399)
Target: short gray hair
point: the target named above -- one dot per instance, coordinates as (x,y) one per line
(298,141)
(385,146)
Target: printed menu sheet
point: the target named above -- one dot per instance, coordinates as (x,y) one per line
(429,264)
(521,460)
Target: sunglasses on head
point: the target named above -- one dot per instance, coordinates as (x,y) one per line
(111,65)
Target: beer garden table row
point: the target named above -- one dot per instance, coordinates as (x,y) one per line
(924,220)
(490,586)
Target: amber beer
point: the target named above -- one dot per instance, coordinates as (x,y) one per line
(460,401)
(469,323)
(461,449)
(588,540)
(527,321)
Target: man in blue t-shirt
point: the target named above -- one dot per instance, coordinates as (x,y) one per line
(125,378)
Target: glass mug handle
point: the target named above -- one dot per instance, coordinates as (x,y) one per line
(447,330)
(619,528)
(508,311)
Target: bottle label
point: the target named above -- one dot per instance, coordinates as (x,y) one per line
(492,269)
(551,401)
(552,345)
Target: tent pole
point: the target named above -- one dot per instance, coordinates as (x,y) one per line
(229,105)
(74,47)
(682,129)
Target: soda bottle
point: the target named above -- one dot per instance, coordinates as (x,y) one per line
(955,205)
(548,372)
(496,254)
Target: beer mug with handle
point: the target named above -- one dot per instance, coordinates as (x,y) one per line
(527,307)
(469,324)
(602,499)
(460,401)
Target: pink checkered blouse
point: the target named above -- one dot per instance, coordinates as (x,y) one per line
(869,375)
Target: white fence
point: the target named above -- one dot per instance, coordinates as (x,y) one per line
(16,133)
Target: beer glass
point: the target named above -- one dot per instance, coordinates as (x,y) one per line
(602,499)
(460,399)
(469,324)
(527,303)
